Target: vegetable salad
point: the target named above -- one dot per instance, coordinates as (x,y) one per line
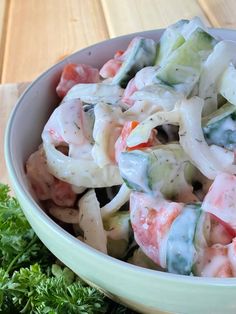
(138,159)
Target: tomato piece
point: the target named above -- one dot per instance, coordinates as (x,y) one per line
(73,74)
(226,230)
(121,144)
(232,256)
(151,220)
(110,68)
(130,89)
(62,193)
(214,262)
(221,200)
(118,54)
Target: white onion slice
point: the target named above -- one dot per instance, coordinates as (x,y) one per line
(93,93)
(193,142)
(224,52)
(80,172)
(107,127)
(90,221)
(115,204)
(142,132)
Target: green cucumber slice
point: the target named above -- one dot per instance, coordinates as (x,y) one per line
(201,237)
(118,232)
(183,66)
(161,168)
(219,128)
(141,53)
(170,41)
(180,244)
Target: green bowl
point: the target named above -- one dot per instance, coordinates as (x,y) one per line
(143,290)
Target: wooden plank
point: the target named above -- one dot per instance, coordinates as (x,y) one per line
(127,16)
(9,94)
(40,33)
(221,13)
(4,5)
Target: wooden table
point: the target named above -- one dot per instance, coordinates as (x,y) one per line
(36,34)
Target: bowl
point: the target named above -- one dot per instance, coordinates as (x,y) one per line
(143,290)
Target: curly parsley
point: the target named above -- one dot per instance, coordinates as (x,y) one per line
(31,281)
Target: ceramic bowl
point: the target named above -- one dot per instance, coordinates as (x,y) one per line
(146,291)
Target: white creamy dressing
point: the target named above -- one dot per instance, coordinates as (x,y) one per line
(140,110)
(80,172)
(211,268)
(94,93)
(223,53)
(232,256)
(221,153)
(143,131)
(216,135)
(134,166)
(90,222)
(146,77)
(66,124)
(81,151)
(161,96)
(107,127)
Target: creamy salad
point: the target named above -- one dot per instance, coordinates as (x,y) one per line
(138,159)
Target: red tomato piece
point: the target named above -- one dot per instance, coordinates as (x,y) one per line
(73,74)
(129,90)
(62,193)
(221,200)
(118,54)
(110,68)
(214,262)
(151,220)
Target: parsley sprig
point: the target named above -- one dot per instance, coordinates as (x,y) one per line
(31,279)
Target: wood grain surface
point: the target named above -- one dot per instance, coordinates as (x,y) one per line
(220,13)
(124,16)
(40,33)
(9,93)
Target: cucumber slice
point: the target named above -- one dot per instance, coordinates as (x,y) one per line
(223,112)
(183,66)
(202,232)
(181,252)
(118,233)
(141,53)
(201,237)
(227,84)
(162,168)
(170,41)
(217,62)
(219,128)
(191,26)
(133,169)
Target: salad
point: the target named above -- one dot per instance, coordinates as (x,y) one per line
(138,159)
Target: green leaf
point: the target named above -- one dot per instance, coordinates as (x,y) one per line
(43,287)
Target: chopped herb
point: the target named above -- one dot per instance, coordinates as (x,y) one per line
(78,127)
(31,281)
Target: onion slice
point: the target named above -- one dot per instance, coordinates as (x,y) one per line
(80,172)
